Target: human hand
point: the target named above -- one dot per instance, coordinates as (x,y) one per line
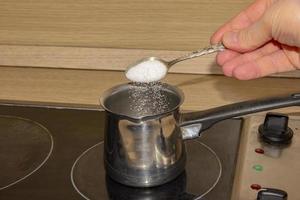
(263,39)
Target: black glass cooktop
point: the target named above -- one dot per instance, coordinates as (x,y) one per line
(55,152)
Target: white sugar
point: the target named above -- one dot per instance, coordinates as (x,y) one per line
(147,71)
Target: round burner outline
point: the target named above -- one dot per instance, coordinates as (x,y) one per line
(74,165)
(45,130)
(219,175)
(199,197)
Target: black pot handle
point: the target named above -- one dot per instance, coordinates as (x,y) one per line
(209,117)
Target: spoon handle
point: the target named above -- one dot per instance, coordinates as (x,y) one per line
(205,51)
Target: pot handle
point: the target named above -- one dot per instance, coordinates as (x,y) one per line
(193,123)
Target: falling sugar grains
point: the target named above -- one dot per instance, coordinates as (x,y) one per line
(148,99)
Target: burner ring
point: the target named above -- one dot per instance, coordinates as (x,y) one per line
(219,175)
(25,146)
(86,182)
(74,166)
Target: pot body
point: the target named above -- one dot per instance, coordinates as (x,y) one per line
(143,153)
(147,149)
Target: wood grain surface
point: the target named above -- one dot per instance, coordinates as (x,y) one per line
(104,59)
(28,28)
(98,58)
(85,86)
(143,24)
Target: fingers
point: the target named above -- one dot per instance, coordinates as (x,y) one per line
(239,22)
(251,30)
(230,64)
(249,38)
(293,53)
(284,17)
(226,55)
(273,63)
(243,19)
(280,22)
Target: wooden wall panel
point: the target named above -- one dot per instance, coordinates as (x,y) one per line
(85,86)
(103,59)
(145,24)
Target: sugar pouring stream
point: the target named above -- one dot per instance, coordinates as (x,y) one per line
(154,69)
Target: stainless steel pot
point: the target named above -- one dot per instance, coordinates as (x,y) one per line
(146,148)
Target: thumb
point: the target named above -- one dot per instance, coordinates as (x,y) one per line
(249,38)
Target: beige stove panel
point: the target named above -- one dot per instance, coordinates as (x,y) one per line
(275,168)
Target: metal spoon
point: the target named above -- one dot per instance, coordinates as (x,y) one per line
(141,73)
(194,54)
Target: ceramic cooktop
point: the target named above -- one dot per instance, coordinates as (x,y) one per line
(55,152)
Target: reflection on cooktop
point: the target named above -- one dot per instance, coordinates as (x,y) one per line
(77,136)
(175,189)
(88,177)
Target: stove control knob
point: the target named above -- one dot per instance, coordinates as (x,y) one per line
(272,194)
(275,129)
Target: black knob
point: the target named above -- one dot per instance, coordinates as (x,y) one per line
(275,129)
(272,194)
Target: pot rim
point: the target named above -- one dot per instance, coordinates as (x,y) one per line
(107,93)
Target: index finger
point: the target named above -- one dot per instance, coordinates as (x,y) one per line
(243,19)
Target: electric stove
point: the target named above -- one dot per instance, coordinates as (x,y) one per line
(55,152)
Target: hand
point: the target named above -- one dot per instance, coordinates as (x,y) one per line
(261,40)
